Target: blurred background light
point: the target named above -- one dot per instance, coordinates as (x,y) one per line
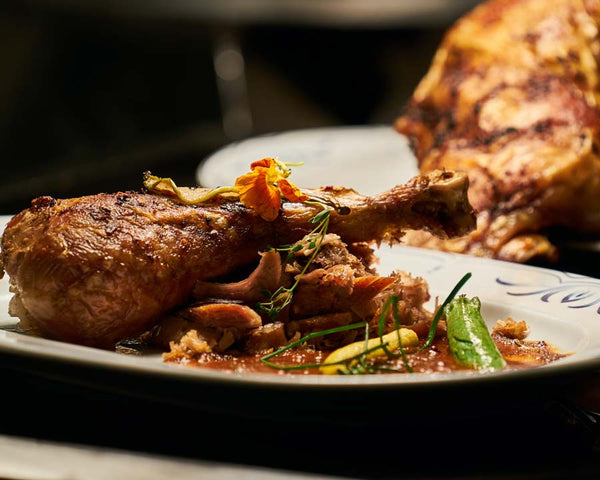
(93,93)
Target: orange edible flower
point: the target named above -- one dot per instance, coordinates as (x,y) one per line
(263,187)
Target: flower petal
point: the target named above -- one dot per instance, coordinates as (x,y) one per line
(266,162)
(291,191)
(256,193)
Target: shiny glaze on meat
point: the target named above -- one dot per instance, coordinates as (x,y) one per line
(94,270)
(512,98)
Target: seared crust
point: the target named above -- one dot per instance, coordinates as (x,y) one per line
(94,270)
(512,98)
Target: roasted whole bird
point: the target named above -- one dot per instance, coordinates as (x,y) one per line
(512,98)
(97,269)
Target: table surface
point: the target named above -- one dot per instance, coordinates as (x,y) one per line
(84,428)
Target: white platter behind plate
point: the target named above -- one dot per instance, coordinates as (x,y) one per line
(369,159)
(561,308)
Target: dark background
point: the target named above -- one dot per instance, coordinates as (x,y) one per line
(93,93)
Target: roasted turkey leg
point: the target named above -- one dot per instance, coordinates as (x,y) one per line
(97,269)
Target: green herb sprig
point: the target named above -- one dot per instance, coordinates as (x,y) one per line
(440,310)
(361,366)
(393,302)
(351,368)
(282,297)
(304,339)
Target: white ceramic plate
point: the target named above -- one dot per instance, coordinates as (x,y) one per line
(370,159)
(561,308)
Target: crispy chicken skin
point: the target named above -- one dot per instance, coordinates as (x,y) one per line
(512,98)
(97,269)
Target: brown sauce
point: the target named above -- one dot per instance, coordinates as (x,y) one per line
(437,359)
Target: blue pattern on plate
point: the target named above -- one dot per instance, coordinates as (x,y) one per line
(573,291)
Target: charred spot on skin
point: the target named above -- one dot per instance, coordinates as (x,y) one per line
(494,136)
(580,77)
(450,121)
(439,139)
(454,92)
(42,202)
(123,199)
(541,127)
(183,223)
(531,37)
(540,87)
(103,213)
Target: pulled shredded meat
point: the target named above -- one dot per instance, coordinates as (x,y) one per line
(265,338)
(187,347)
(510,328)
(324,322)
(335,288)
(266,277)
(218,325)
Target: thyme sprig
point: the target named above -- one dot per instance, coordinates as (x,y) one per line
(311,242)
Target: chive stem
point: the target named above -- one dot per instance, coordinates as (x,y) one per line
(305,339)
(438,314)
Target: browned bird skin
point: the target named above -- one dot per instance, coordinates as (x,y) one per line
(96,269)
(512,98)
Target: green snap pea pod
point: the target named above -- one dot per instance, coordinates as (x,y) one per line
(470,341)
